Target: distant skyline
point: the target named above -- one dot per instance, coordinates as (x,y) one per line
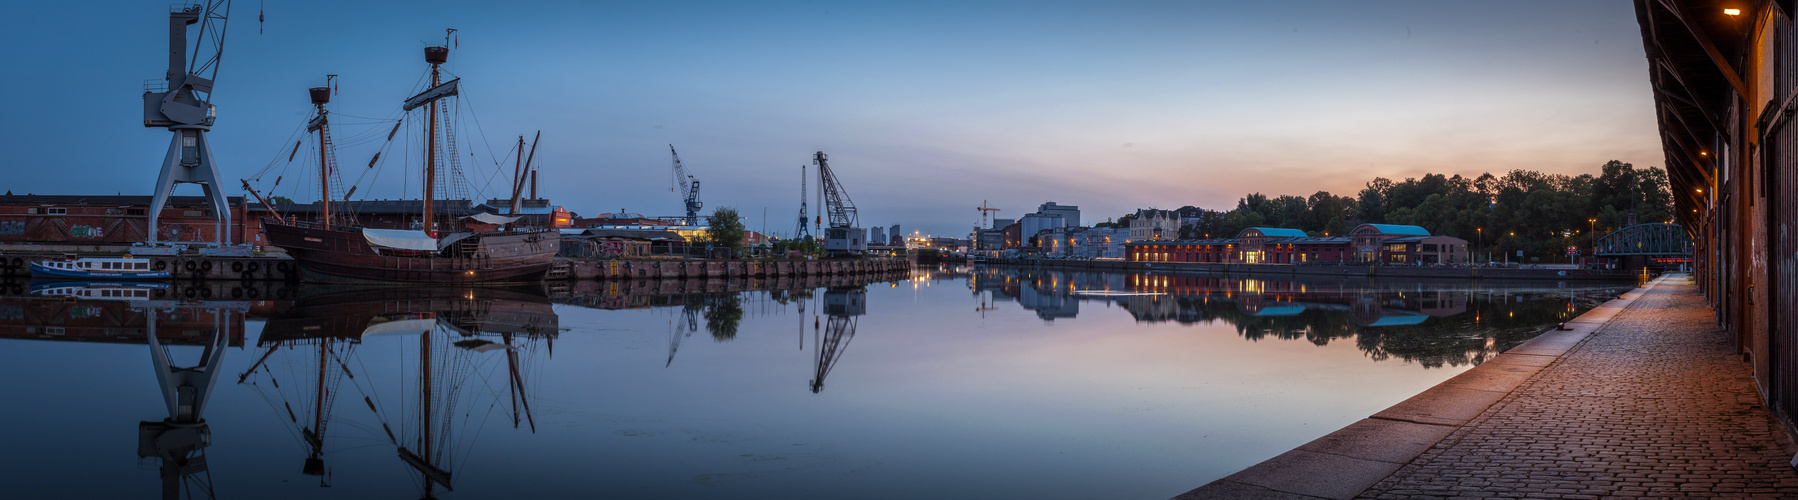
(925,108)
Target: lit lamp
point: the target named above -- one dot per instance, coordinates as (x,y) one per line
(1732,12)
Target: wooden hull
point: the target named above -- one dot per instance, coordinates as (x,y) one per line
(343,255)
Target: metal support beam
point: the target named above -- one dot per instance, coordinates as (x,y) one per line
(1710,49)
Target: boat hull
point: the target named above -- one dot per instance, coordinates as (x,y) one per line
(334,255)
(41,271)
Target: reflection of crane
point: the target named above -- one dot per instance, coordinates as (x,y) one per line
(179,442)
(842,305)
(691,312)
(983,212)
(688,187)
(801,233)
(182,104)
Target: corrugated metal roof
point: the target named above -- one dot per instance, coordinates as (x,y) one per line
(1399,229)
(1280,232)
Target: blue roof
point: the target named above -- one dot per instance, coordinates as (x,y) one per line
(1399,229)
(1280,232)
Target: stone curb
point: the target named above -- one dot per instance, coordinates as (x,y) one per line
(1344,463)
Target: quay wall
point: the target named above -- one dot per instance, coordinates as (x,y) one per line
(678,269)
(277,266)
(1374,271)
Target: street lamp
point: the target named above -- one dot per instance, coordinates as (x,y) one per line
(1482,242)
(1592,233)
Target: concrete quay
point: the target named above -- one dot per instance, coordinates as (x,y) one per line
(1642,397)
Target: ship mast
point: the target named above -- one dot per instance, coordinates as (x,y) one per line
(320,96)
(436,56)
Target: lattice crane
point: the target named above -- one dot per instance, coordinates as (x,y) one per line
(687,186)
(801,232)
(984,209)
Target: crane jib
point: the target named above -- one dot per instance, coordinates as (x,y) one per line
(434,93)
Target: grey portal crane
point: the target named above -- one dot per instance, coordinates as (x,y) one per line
(182,103)
(688,187)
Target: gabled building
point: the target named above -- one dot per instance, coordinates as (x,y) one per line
(1402,244)
(1151,224)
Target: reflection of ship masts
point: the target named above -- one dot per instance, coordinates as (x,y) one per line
(517,385)
(838,332)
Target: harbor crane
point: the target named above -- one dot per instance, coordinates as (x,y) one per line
(688,187)
(843,237)
(182,103)
(800,233)
(984,209)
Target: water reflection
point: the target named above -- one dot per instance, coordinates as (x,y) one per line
(844,306)
(437,392)
(453,341)
(171,330)
(1432,324)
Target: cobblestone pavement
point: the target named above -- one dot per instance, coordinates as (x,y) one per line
(1654,404)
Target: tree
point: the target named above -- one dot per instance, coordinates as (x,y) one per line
(280,200)
(726,228)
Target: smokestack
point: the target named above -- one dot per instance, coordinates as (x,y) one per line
(533,184)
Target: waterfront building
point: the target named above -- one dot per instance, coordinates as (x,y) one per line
(1011,236)
(536,212)
(898,238)
(1151,224)
(1097,243)
(116,220)
(1255,245)
(1070,215)
(877,236)
(1402,244)
(1034,224)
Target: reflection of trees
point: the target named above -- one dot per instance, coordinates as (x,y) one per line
(1431,326)
(1491,325)
(722,315)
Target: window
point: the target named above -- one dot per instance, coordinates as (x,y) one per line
(115,211)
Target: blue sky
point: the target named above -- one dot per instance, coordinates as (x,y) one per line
(925,108)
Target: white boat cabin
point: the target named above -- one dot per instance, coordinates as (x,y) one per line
(100,265)
(98,293)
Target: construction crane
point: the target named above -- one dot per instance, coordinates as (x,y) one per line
(688,187)
(800,233)
(983,208)
(182,103)
(843,237)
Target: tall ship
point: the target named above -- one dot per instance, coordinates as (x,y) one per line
(437,247)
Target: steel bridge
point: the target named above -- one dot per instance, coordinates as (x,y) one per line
(1654,240)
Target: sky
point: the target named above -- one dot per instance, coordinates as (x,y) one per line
(926,109)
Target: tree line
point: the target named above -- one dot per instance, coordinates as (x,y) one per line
(1540,214)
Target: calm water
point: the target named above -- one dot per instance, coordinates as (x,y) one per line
(950,384)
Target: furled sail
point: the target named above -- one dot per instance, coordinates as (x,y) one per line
(494,218)
(401,239)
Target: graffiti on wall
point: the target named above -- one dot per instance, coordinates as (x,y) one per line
(86,232)
(12,228)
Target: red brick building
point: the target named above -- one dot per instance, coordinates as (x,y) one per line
(1255,245)
(112,220)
